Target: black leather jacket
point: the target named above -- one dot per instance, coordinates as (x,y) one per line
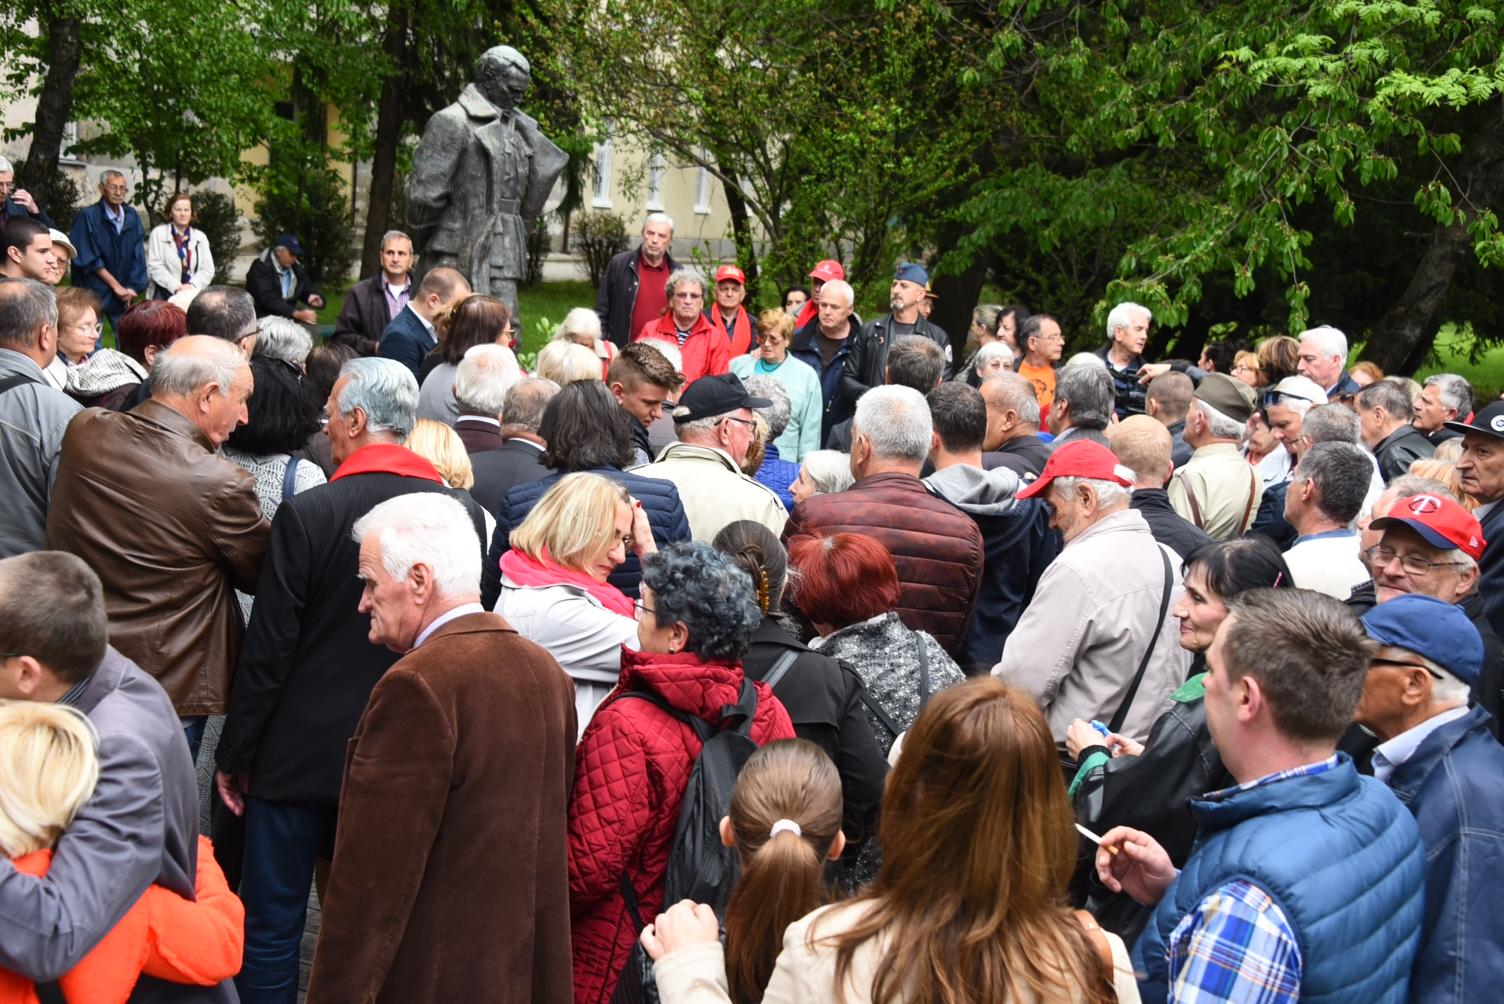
(867,362)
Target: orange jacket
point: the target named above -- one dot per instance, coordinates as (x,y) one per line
(162,935)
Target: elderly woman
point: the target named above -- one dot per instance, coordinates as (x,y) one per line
(284,339)
(774,471)
(583,327)
(695,621)
(554,580)
(990,360)
(801,433)
(475,320)
(566,362)
(178,258)
(78,328)
(704,351)
(117,380)
(823,472)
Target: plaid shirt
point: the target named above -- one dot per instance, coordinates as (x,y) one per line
(1237,944)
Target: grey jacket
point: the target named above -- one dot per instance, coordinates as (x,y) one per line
(33,417)
(138,828)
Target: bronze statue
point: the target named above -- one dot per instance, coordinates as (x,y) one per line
(481,173)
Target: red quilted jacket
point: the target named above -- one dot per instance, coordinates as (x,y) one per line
(629,775)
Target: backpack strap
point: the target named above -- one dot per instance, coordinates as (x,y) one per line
(1190,497)
(780,667)
(881,713)
(1253,489)
(1138,677)
(290,478)
(924,668)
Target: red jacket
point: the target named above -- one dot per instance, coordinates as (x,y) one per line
(706,351)
(629,774)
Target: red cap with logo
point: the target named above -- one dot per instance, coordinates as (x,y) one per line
(828,270)
(1082,459)
(730,272)
(1441,522)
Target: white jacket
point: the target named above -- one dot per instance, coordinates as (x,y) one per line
(583,637)
(163,268)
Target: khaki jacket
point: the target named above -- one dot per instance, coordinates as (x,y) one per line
(714,491)
(1218,490)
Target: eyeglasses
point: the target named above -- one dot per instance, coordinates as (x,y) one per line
(743,421)
(689,296)
(1379,556)
(1402,664)
(639,608)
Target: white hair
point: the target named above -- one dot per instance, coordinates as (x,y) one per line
(393,235)
(6,167)
(564,362)
(896,422)
(1445,688)
(1327,339)
(183,369)
(659,218)
(426,528)
(384,389)
(283,338)
(483,377)
(780,411)
(1123,314)
(1455,392)
(993,350)
(830,470)
(669,351)
(1109,493)
(1218,424)
(681,275)
(842,287)
(579,321)
(1086,359)
(111,172)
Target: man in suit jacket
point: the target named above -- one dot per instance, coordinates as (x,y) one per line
(449,880)
(306,668)
(111,246)
(519,458)
(278,282)
(373,303)
(410,336)
(481,382)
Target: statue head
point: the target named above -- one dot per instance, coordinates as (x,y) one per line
(503,76)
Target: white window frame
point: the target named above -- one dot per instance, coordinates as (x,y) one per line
(702,190)
(655,183)
(600,193)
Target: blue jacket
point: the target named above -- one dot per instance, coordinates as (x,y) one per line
(659,497)
(1454,786)
(406,340)
(99,246)
(777,474)
(1340,857)
(804,349)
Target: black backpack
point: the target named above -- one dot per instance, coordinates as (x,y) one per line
(700,868)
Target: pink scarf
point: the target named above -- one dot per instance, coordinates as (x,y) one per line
(526,571)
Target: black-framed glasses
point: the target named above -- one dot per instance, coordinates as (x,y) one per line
(1379,556)
(639,608)
(743,421)
(1403,664)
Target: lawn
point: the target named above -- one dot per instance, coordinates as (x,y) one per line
(1451,349)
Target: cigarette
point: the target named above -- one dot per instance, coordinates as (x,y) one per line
(1094,838)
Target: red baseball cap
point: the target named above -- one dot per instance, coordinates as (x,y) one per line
(730,272)
(827,270)
(1082,459)
(1441,522)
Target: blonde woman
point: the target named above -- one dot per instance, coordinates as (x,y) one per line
(441,446)
(48,770)
(583,327)
(553,580)
(564,362)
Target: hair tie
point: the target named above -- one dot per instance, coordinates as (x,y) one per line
(1277,577)
(762,589)
(785,826)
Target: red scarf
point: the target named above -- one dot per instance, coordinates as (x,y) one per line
(741,329)
(387,458)
(527,571)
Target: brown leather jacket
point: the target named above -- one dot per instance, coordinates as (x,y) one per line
(172,529)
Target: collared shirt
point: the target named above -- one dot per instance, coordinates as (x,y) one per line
(286,278)
(445,618)
(117,218)
(75,692)
(396,297)
(1237,944)
(1392,752)
(483,418)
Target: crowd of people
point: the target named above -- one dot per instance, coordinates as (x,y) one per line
(787,657)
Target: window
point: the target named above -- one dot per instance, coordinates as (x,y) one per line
(702,189)
(600,193)
(655,183)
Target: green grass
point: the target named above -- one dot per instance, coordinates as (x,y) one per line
(1451,349)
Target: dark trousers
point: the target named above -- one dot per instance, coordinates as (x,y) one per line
(282,842)
(193,731)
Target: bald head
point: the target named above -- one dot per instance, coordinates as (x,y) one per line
(441,287)
(1143,445)
(1169,397)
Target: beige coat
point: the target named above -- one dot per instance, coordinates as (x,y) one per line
(714,491)
(807,974)
(1078,643)
(1218,490)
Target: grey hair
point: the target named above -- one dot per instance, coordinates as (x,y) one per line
(181,371)
(6,167)
(111,172)
(681,275)
(701,428)
(427,528)
(842,287)
(782,408)
(25,305)
(701,588)
(895,421)
(1329,340)
(385,390)
(829,470)
(1331,423)
(1122,316)
(1445,688)
(482,379)
(1088,390)
(1110,494)
(1218,424)
(1341,473)
(392,235)
(283,338)
(1408,486)
(658,218)
(1014,392)
(1455,391)
(1389,396)
(526,401)
(579,321)
(993,350)
(1088,359)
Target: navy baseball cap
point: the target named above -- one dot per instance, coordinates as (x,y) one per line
(913,272)
(290,242)
(1431,628)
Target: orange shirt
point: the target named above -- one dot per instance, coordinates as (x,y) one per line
(1043,379)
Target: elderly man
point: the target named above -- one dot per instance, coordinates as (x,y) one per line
(1143,445)
(1127,334)
(307,669)
(727,313)
(519,458)
(1218,490)
(1438,757)
(170,526)
(449,879)
(111,245)
(17,201)
(936,547)
(1168,400)
(1306,880)
(278,282)
(375,302)
(703,350)
(1040,341)
(632,291)
(1323,358)
(1324,498)
(1285,410)
(410,336)
(825,270)
(33,414)
(1099,641)
(913,361)
(1444,397)
(1012,438)
(1481,470)
(1386,414)
(481,382)
(1017,540)
(227,313)
(1083,404)
(642,380)
(824,343)
(1430,545)
(714,423)
(26,250)
(868,360)
(140,825)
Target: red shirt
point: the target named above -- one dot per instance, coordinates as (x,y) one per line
(652,297)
